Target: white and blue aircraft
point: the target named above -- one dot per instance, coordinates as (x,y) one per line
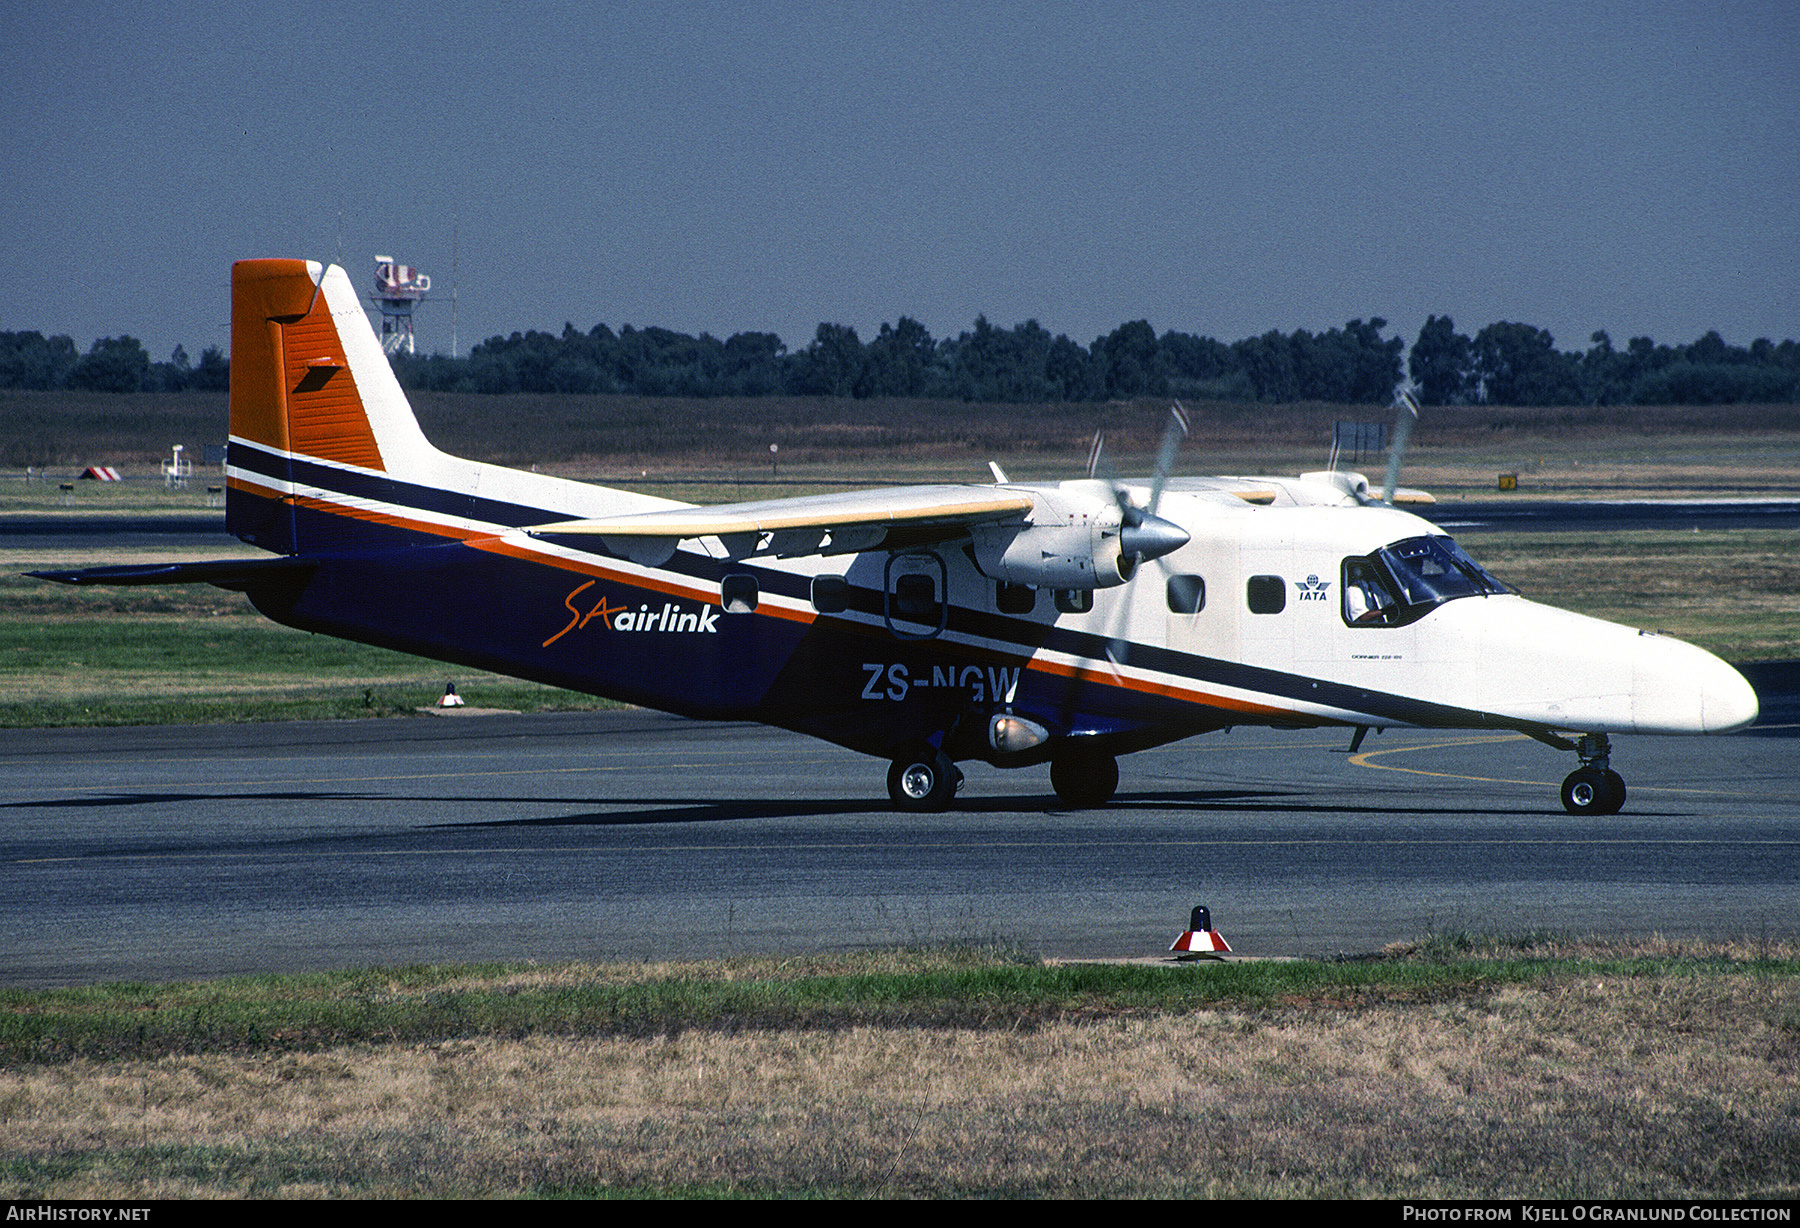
(1012,623)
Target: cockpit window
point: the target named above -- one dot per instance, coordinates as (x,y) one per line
(1403,582)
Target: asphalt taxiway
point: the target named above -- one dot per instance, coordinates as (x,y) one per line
(171,852)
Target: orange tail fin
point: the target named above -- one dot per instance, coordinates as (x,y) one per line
(311,394)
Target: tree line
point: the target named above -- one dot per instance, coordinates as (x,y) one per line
(1516,364)
(1022,364)
(112,364)
(1504,363)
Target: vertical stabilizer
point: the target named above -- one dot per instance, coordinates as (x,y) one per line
(311,393)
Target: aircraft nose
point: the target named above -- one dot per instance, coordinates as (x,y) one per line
(1727,700)
(1679,688)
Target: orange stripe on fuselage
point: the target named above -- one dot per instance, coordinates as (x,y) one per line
(669,588)
(1101,677)
(485,539)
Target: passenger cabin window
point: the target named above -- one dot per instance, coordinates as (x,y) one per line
(830,594)
(738,594)
(1074,600)
(1014,598)
(1404,582)
(1266,594)
(1186,594)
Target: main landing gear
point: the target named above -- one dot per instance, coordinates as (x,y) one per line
(1593,788)
(923,779)
(1084,778)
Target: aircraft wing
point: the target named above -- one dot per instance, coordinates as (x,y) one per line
(810,524)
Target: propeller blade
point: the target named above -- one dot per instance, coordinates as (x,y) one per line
(1173,434)
(1403,425)
(1143,535)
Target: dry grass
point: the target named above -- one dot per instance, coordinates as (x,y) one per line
(621,435)
(1678,1083)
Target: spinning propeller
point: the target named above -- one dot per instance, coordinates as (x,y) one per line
(1403,424)
(1142,533)
(1356,486)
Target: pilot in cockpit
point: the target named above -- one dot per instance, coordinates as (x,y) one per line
(1366,597)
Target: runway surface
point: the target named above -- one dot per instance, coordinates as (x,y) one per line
(173,852)
(1460,516)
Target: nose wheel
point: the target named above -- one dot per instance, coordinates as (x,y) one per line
(1593,788)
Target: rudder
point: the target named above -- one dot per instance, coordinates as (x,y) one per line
(313,401)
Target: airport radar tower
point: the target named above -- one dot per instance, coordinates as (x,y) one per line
(398,289)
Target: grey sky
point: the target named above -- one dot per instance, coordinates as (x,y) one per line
(1222,169)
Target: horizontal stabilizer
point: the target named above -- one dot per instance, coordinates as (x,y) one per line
(225,573)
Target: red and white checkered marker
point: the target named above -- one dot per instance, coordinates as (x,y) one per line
(1199,938)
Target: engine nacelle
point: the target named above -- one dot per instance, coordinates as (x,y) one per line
(1077,537)
(1052,555)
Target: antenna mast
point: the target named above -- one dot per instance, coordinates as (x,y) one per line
(455,254)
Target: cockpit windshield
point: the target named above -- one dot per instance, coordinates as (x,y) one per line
(1403,582)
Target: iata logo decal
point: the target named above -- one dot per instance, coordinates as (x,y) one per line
(1312,589)
(673,616)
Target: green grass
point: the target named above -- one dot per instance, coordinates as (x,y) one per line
(194,654)
(1734,593)
(121,669)
(934,987)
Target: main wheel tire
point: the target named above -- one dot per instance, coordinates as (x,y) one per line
(1591,791)
(923,780)
(1616,783)
(1084,780)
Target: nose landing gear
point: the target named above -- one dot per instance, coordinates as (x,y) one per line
(1593,788)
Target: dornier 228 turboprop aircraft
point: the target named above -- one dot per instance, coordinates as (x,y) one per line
(1014,623)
